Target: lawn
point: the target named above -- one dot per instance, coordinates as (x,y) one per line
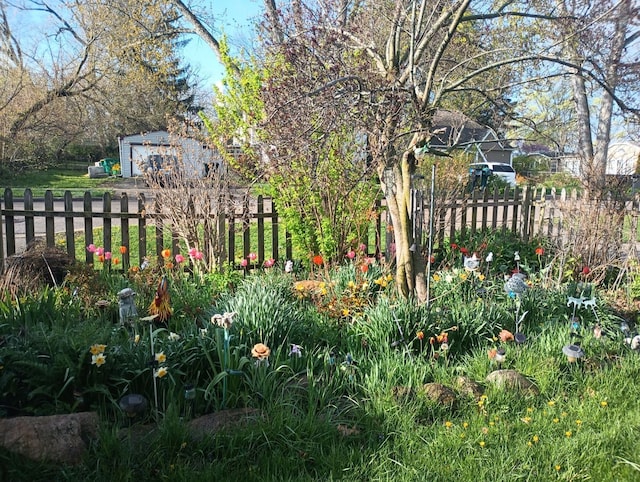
(58,181)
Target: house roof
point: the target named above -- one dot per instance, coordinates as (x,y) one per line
(454,129)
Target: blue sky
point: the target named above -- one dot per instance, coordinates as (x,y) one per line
(234,18)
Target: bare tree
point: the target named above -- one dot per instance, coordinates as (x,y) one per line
(100,69)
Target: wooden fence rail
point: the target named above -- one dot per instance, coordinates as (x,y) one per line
(67,222)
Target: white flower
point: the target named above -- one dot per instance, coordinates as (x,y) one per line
(490,257)
(224,320)
(174,336)
(203,332)
(516,256)
(296,350)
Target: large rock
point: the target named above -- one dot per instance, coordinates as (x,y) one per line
(222,420)
(56,438)
(469,387)
(511,379)
(439,394)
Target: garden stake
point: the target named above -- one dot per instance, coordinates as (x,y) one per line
(430,247)
(153,357)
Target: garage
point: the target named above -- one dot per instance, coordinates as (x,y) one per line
(135,151)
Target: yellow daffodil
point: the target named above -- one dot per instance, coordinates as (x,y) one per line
(161,357)
(160,372)
(99,359)
(136,339)
(97,349)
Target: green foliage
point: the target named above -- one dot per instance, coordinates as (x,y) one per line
(349,400)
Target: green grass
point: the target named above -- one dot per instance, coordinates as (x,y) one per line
(58,181)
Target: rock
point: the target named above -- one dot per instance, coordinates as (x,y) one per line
(56,438)
(511,379)
(224,419)
(439,393)
(401,393)
(469,387)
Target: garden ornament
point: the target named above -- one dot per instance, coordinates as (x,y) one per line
(519,338)
(516,284)
(633,342)
(624,327)
(501,356)
(288,266)
(471,263)
(160,305)
(572,352)
(133,404)
(127,306)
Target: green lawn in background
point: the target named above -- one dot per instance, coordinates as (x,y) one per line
(57,180)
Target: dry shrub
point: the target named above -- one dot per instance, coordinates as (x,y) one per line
(38,266)
(592,235)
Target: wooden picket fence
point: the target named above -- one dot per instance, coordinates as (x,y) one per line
(66,221)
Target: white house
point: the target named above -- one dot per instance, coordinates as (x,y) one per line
(624,158)
(136,149)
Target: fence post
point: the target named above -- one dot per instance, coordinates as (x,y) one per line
(88,225)
(275,234)
(142,229)
(1,243)
(69,229)
(10,222)
(124,230)
(526,212)
(106,223)
(474,211)
(29,226)
(260,221)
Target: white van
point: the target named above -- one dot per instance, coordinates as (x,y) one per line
(505,171)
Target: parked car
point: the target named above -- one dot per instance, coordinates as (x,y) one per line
(480,171)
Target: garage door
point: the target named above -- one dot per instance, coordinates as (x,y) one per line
(138,155)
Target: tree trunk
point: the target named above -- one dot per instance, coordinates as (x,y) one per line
(396,183)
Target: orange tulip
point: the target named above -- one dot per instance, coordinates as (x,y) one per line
(317,260)
(166,253)
(123,249)
(505,335)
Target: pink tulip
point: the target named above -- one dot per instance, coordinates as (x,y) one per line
(268,263)
(92,248)
(244,263)
(199,255)
(107,255)
(179,258)
(192,252)
(100,251)
(351,254)
(253,256)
